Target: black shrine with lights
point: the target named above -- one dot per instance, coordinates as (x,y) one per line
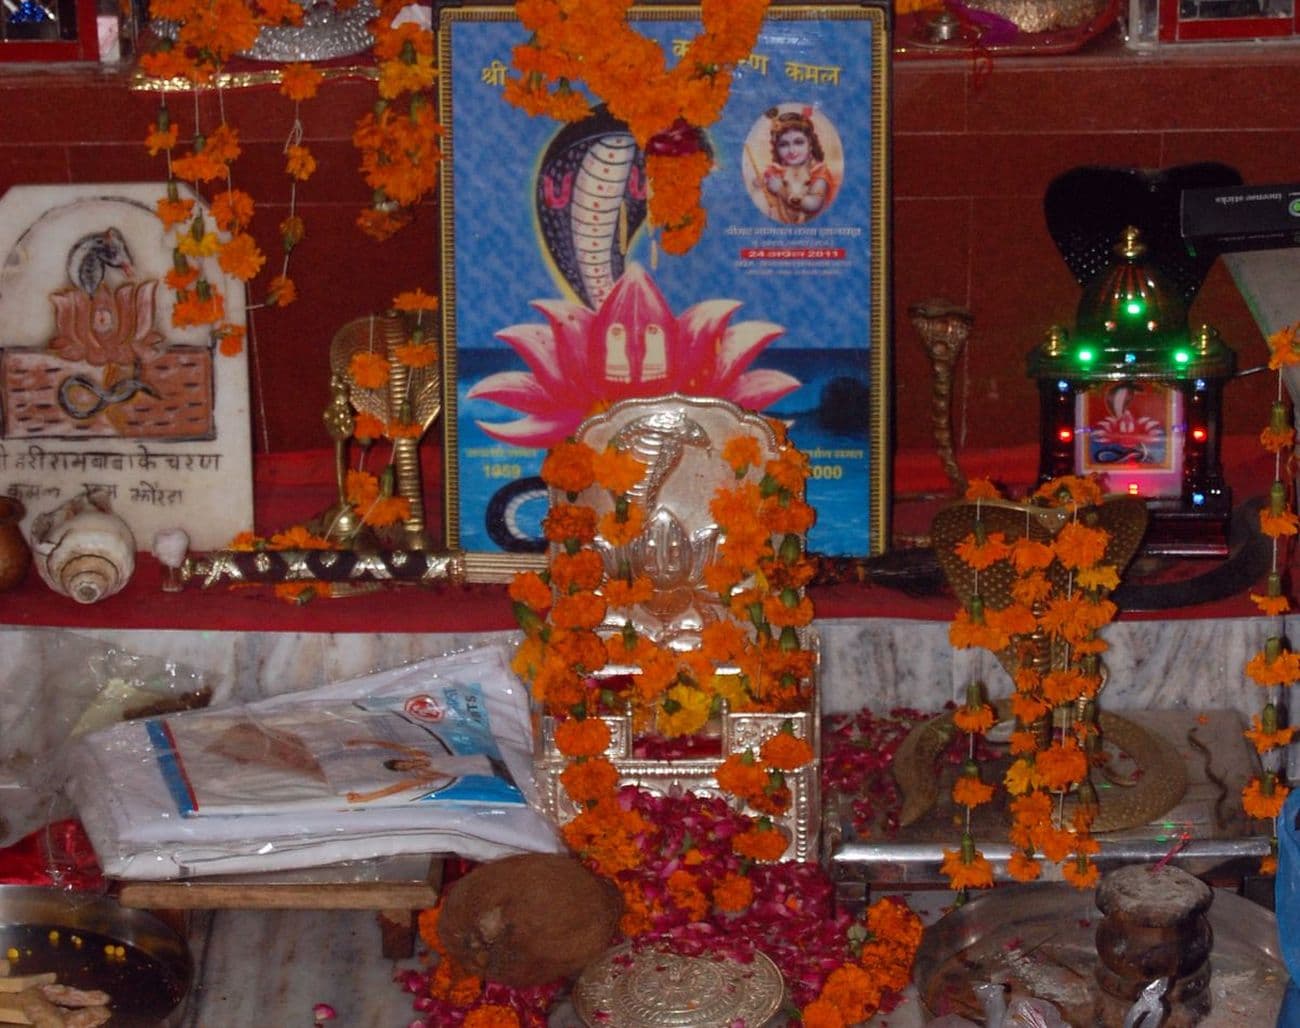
(1136,398)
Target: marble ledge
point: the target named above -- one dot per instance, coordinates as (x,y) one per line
(879,663)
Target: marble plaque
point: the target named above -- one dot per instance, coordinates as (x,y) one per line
(97,387)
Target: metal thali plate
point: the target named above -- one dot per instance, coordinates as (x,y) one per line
(656,988)
(1040,940)
(91,942)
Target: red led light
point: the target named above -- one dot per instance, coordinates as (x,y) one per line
(1198,435)
(1065,434)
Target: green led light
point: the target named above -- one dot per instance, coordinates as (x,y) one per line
(1085,355)
(1181,356)
(1134,307)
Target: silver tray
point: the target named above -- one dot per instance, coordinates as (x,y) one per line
(66,932)
(1039,938)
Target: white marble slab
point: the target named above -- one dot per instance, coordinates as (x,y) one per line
(97,387)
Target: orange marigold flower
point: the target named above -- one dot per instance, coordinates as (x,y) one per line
(974,722)
(741,453)
(969,791)
(1028,554)
(403,430)
(977,874)
(1280,670)
(198,167)
(232,210)
(569,523)
(181,280)
(1277,442)
(492,1015)
(415,300)
(1013,619)
(733,893)
(1283,349)
(1028,707)
(193,309)
(582,737)
(620,593)
(416,355)
(174,212)
(300,593)
(1070,490)
(297,537)
(1264,741)
(1031,589)
(281,291)
(528,588)
(1271,605)
(762,842)
(569,466)
(1080,546)
(1062,764)
(1276,525)
(589,781)
(300,81)
(1021,742)
(367,427)
(741,776)
(1023,867)
(299,163)
(618,531)
(617,471)
(822,1013)
(966,632)
(982,489)
(1081,873)
(785,751)
(387,510)
(578,610)
(982,554)
(240,257)
(573,571)
(231,342)
(160,139)
(368,370)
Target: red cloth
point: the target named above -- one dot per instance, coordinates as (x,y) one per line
(57,854)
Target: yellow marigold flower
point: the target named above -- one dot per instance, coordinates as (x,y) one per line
(684,711)
(1104,576)
(1020,777)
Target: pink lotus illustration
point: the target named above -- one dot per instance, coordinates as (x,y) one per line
(582,361)
(108,326)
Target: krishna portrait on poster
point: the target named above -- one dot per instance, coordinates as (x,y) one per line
(558,300)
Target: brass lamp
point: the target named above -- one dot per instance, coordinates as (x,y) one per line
(1135,397)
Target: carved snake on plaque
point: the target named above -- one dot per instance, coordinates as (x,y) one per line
(590,199)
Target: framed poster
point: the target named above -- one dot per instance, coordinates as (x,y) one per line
(557,301)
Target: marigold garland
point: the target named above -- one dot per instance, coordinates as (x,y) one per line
(665,108)
(1047,762)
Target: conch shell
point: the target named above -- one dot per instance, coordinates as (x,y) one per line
(82,549)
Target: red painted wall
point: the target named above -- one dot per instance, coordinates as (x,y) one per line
(973,151)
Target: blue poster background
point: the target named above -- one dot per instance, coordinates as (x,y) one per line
(814,279)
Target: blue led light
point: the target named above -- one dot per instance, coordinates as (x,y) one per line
(1062,386)
(1130,358)
(1198,499)
(1200,385)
